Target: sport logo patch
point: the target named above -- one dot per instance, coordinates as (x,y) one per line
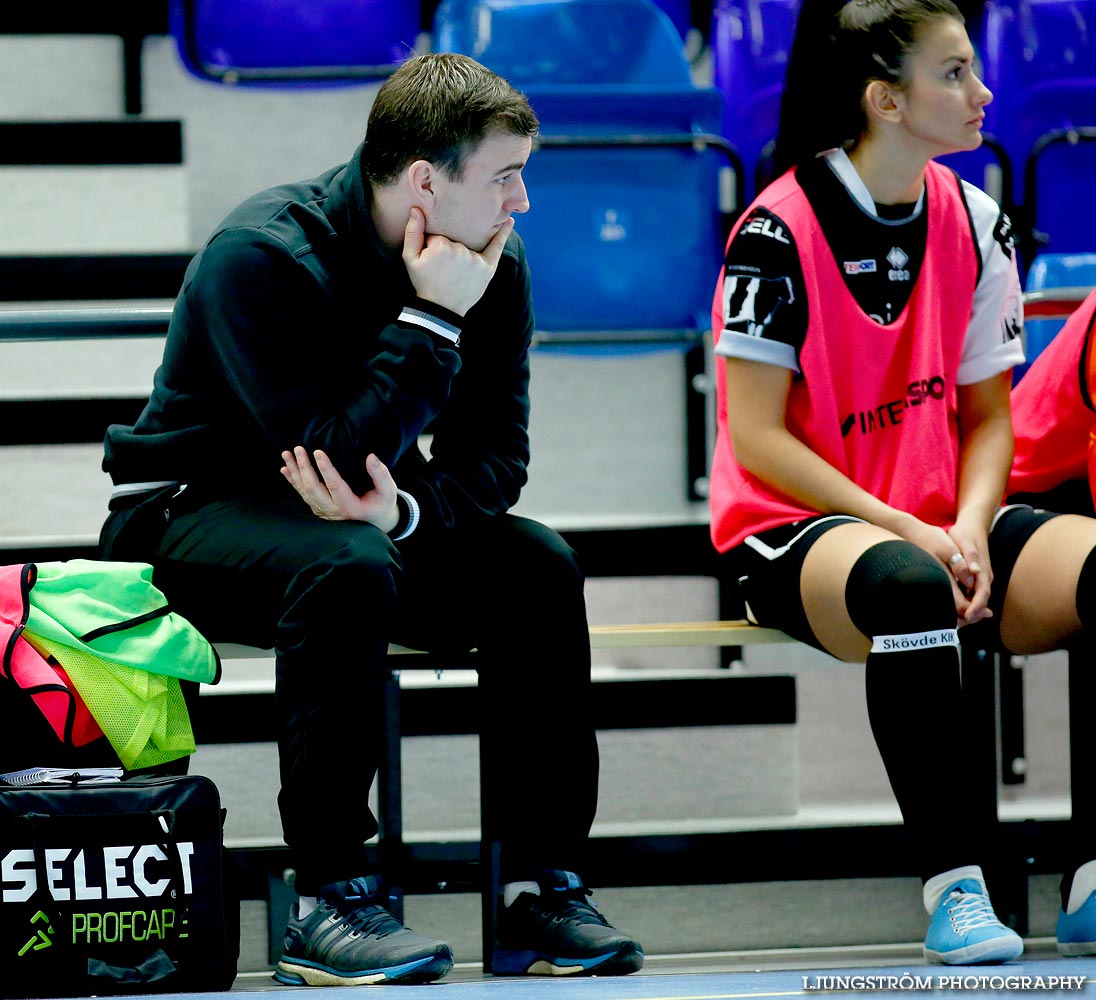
(760,226)
(40,937)
(860,267)
(898,259)
(749,304)
(1004,235)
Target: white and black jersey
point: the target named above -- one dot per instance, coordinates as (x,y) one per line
(879,250)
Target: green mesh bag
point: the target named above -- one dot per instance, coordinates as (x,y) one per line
(143,715)
(124,651)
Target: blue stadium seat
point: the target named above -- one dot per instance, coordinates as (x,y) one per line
(283,42)
(1059,179)
(1061,270)
(625,233)
(680,14)
(623,237)
(1040,62)
(583,42)
(751,40)
(1053,271)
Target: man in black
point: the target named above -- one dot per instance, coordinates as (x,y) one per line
(343,318)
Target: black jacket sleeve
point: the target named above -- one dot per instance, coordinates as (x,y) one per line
(480,444)
(304,366)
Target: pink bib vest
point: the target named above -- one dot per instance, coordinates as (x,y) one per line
(876,402)
(1052,417)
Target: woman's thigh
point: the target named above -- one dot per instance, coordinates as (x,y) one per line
(1039,611)
(822,584)
(793,578)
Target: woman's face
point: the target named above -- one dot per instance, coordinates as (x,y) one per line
(943,102)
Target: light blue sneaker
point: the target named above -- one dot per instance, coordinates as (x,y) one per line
(1077,931)
(964,930)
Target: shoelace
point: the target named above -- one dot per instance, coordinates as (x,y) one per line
(969,911)
(574,908)
(368,920)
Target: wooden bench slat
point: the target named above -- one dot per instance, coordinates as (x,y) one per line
(709,633)
(648,635)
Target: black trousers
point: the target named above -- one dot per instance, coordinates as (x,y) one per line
(329,596)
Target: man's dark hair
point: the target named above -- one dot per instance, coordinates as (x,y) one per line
(439,108)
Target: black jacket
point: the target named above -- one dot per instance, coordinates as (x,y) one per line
(285,332)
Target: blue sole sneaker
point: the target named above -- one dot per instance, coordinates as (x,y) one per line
(964,930)
(350,939)
(304,973)
(560,933)
(507,962)
(1077,931)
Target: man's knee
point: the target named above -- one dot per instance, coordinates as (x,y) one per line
(541,554)
(360,563)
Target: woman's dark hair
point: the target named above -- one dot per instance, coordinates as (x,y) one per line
(839,48)
(439,108)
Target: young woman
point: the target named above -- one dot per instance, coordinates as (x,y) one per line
(867,320)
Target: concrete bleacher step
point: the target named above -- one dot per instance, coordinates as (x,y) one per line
(805,818)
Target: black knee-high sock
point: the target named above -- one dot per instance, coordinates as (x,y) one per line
(901,598)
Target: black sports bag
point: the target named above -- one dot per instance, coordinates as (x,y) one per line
(115,887)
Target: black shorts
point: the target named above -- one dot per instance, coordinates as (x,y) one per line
(767,571)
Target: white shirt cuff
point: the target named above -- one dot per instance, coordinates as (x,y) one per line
(412,515)
(418,317)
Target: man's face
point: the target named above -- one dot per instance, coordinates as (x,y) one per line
(471,210)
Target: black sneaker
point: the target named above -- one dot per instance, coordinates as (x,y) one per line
(351,940)
(560,933)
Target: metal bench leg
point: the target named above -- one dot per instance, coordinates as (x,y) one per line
(1011,687)
(491,887)
(1082,691)
(280,896)
(1005,870)
(390,793)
